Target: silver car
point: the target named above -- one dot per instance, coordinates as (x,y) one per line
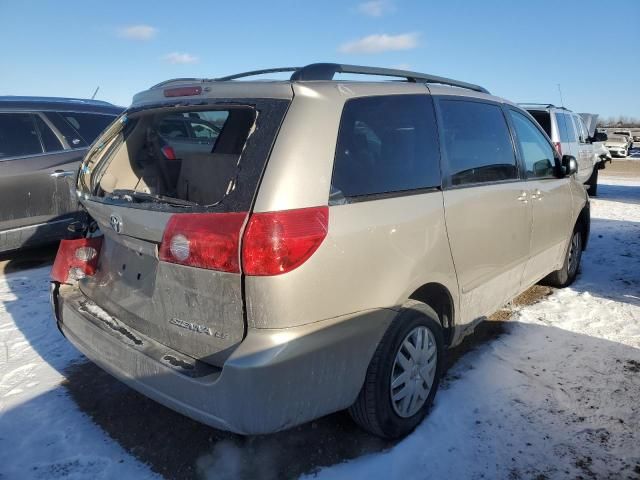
(335,240)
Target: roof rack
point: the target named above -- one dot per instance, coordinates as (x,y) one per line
(545,105)
(22,98)
(326,71)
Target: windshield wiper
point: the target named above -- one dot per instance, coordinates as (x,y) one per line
(130,195)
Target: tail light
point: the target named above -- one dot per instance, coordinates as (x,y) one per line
(278,242)
(168,152)
(273,242)
(204,240)
(76,259)
(558,146)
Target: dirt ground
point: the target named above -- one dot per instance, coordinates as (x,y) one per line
(622,168)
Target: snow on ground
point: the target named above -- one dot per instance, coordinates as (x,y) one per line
(555,397)
(43,435)
(558,396)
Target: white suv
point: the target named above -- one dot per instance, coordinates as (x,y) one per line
(570,136)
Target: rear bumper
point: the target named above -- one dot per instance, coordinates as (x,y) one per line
(274,379)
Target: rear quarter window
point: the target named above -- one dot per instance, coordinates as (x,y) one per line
(386,144)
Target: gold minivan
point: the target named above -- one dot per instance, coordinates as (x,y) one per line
(262,253)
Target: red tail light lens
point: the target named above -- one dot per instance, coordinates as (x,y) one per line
(204,240)
(168,152)
(558,146)
(278,242)
(76,259)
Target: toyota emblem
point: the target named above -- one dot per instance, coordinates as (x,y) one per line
(116,223)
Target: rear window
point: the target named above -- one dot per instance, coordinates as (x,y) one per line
(386,144)
(199,156)
(544,120)
(477,143)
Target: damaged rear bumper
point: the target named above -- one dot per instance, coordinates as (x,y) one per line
(275,378)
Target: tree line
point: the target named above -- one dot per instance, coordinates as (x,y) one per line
(619,121)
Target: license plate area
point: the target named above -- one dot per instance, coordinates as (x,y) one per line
(129,263)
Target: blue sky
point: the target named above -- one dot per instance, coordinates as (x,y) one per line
(519,50)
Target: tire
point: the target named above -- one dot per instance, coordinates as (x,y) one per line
(571,266)
(374,410)
(593,182)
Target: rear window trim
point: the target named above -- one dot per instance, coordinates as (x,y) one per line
(238,199)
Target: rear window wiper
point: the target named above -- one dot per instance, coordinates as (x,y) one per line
(131,195)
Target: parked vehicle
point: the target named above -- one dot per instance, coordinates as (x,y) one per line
(600,151)
(618,145)
(570,137)
(323,255)
(627,134)
(42,141)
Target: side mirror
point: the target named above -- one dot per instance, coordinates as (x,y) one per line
(570,164)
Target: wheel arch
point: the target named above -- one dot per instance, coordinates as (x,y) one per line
(584,224)
(438,297)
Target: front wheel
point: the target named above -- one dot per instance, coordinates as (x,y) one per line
(404,373)
(566,275)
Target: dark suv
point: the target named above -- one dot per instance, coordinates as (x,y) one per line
(42,141)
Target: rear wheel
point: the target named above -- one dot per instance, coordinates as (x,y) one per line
(592,183)
(567,274)
(404,373)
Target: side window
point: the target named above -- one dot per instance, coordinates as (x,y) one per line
(477,143)
(18,135)
(583,128)
(562,127)
(49,139)
(537,152)
(73,138)
(88,125)
(386,144)
(571,131)
(578,128)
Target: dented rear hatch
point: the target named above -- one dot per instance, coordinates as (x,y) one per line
(157,184)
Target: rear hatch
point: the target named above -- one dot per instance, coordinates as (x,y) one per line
(170,186)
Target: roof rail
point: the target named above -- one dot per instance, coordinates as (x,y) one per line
(253,73)
(546,105)
(23,98)
(326,71)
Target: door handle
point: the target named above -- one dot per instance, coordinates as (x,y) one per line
(523,197)
(537,195)
(63,173)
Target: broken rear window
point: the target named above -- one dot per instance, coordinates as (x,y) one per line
(189,155)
